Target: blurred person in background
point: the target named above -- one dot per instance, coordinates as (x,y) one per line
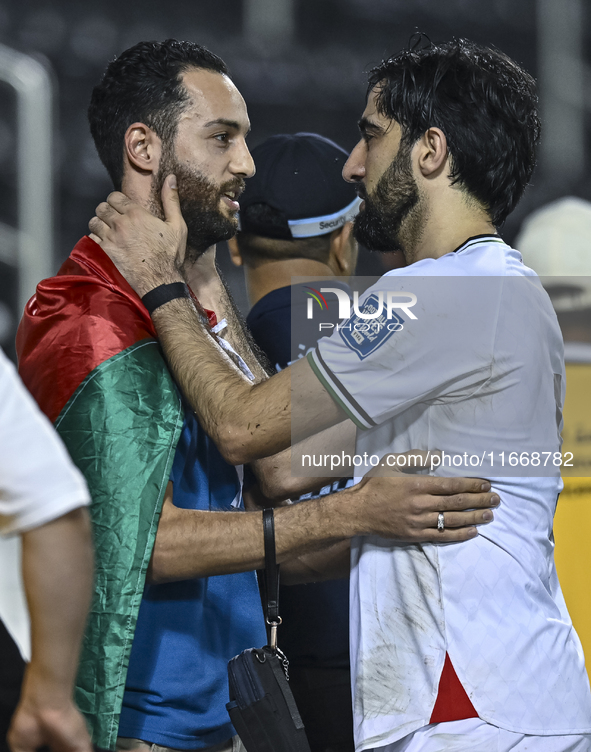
(177,595)
(42,499)
(296,221)
(556,242)
(453,647)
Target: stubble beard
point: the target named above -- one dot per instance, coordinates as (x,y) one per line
(199,200)
(394,215)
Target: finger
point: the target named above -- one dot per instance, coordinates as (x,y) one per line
(436,485)
(449,536)
(467,501)
(98,229)
(119,201)
(455,520)
(106,212)
(170,201)
(70,739)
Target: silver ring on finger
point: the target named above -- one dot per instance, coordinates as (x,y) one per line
(440,522)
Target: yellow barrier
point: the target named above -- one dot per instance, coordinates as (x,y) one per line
(572,524)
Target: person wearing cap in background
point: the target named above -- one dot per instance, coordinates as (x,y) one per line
(555,241)
(296,221)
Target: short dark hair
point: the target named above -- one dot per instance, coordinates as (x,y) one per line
(256,249)
(143,84)
(483,102)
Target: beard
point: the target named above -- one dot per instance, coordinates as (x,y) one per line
(395,199)
(199,200)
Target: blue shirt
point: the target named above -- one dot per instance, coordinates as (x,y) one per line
(187,631)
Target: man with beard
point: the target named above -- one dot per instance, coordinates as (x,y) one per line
(459,646)
(89,353)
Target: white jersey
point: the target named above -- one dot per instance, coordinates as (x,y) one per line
(38,483)
(38,480)
(477,373)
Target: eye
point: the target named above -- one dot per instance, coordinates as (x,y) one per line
(222,137)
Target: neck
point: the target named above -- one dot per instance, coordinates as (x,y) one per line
(271,275)
(437,228)
(139,190)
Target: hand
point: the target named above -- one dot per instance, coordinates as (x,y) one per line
(147,251)
(60,727)
(406,508)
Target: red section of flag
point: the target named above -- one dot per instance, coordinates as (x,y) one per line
(68,327)
(452,704)
(84,315)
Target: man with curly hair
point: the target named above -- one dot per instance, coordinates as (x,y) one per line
(465,646)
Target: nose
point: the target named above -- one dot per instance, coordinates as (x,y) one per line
(242,164)
(354,169)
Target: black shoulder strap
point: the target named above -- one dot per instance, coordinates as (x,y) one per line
(271,594)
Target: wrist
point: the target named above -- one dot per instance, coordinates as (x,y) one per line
(352,512)
(337,515)
(164,293)
(42,688)
(151,281)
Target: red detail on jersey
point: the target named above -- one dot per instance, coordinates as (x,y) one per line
(452,704)
(212,318)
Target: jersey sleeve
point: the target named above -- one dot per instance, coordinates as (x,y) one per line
(411,340)
(38,481)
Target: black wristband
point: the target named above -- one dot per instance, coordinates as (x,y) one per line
(163,293)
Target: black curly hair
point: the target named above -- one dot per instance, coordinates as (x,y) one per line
(483,102)
(143,84)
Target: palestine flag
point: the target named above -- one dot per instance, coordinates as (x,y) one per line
(88,353)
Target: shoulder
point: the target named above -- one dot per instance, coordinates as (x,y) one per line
(76,320)
(276,302)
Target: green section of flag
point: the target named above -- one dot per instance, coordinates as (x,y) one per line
(121,427)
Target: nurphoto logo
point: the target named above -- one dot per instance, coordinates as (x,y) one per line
(402,301)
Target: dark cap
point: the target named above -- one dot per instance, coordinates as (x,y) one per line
(300,178)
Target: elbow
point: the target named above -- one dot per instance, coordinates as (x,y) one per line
(235,455)
(273,485)
(237,447)
(159,569)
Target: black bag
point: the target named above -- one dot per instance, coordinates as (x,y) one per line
(262,708)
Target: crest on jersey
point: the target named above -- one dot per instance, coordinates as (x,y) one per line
(365,335)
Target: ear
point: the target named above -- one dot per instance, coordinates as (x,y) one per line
(433,153)
(343,250)
(235,252)
(143,148)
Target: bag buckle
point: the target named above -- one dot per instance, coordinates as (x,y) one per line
(273,636)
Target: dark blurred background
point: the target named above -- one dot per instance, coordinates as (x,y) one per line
(301,66)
